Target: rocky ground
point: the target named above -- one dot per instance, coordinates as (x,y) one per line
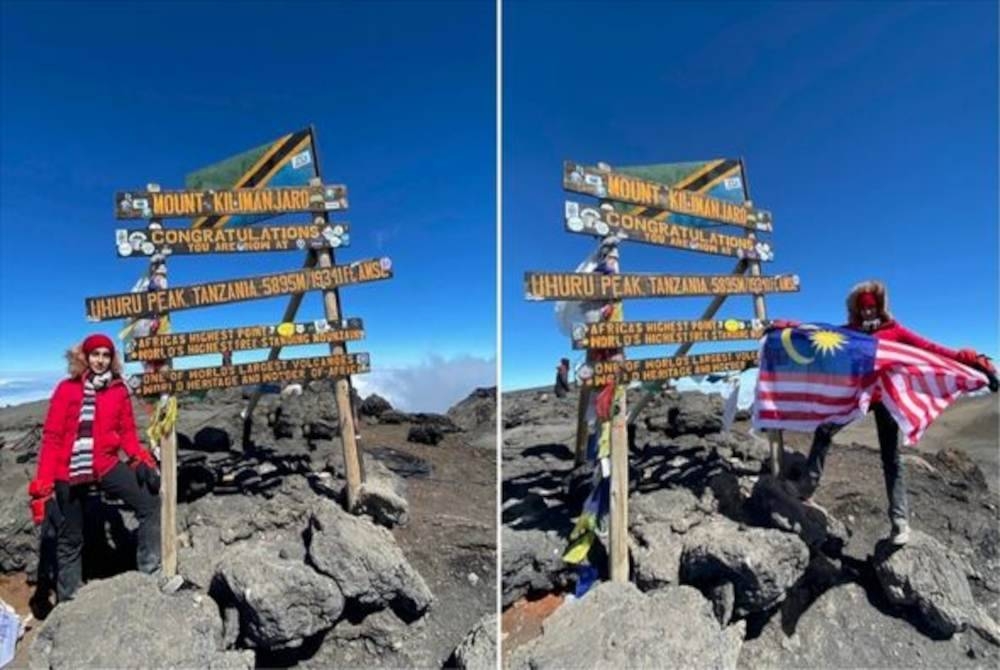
(276,573)
(728,570)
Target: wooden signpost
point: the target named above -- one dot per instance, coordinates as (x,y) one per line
(610,335)
(602,221)
(620,187)
(250,201)
(245,374)
(187,204)
(583,286)
(137,243)
(657,369)
(670,214)
(125,305)
(242,338)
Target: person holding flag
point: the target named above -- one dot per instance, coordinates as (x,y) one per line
(873,363)
(89,421)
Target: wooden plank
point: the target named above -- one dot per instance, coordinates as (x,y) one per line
(141,243)
(600,373)
(603,183)
(601,221)
(245,374)
(242,338)
(612,335)
(186,204)
(123,305)
(587,286)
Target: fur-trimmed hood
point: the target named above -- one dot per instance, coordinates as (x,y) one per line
(881,294)
(77,363)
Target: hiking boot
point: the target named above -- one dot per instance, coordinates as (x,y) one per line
(900,533)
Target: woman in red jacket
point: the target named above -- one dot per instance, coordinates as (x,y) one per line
(88,422)
(868,312)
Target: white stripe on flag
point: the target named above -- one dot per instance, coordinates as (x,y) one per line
(807,387)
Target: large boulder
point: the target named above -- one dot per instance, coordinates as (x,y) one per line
(762,564)
(441,422)
(478,411)
(478,650)
(374,405)
(214,522)
(931,579)
(365,562)
(617,626)
(425,434)
(531,563)
(691,412)
(658,521)
(656,555)
(18,536)
(697,413)
(679,508)
(772,503)
(383,495)
(281,600)
(127,621)
(842,629)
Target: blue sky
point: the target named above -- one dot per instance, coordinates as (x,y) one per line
(99,97)
(868,129)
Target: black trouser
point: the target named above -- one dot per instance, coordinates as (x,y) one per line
(892,466)
(120,482)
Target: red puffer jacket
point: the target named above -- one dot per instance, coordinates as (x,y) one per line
(894,332)
(114,429)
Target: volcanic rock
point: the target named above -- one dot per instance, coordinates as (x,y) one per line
(931,579)
(478,650)
(365,561)
(760,563)
(374,405)
(617,626)
(126,621)
(281,601)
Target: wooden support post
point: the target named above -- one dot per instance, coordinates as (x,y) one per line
(346,412)
(619,488)
(618,512)
(775,439)
(168,503)
(342,395)
(168,460)
(582,425)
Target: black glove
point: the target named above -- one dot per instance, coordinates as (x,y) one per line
(148,477)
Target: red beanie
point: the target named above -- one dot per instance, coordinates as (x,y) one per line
(866,300)
(96,341)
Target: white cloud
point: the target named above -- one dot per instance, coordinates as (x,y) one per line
(433,385)
(21,387)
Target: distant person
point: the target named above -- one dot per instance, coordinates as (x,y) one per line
(562,378)
(88,421)
(868,312)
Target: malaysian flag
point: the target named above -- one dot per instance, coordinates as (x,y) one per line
(817,373)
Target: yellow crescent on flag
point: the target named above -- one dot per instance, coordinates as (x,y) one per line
(786,341)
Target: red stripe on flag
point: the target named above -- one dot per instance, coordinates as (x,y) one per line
(892,392)
(780,415)
(788,396)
